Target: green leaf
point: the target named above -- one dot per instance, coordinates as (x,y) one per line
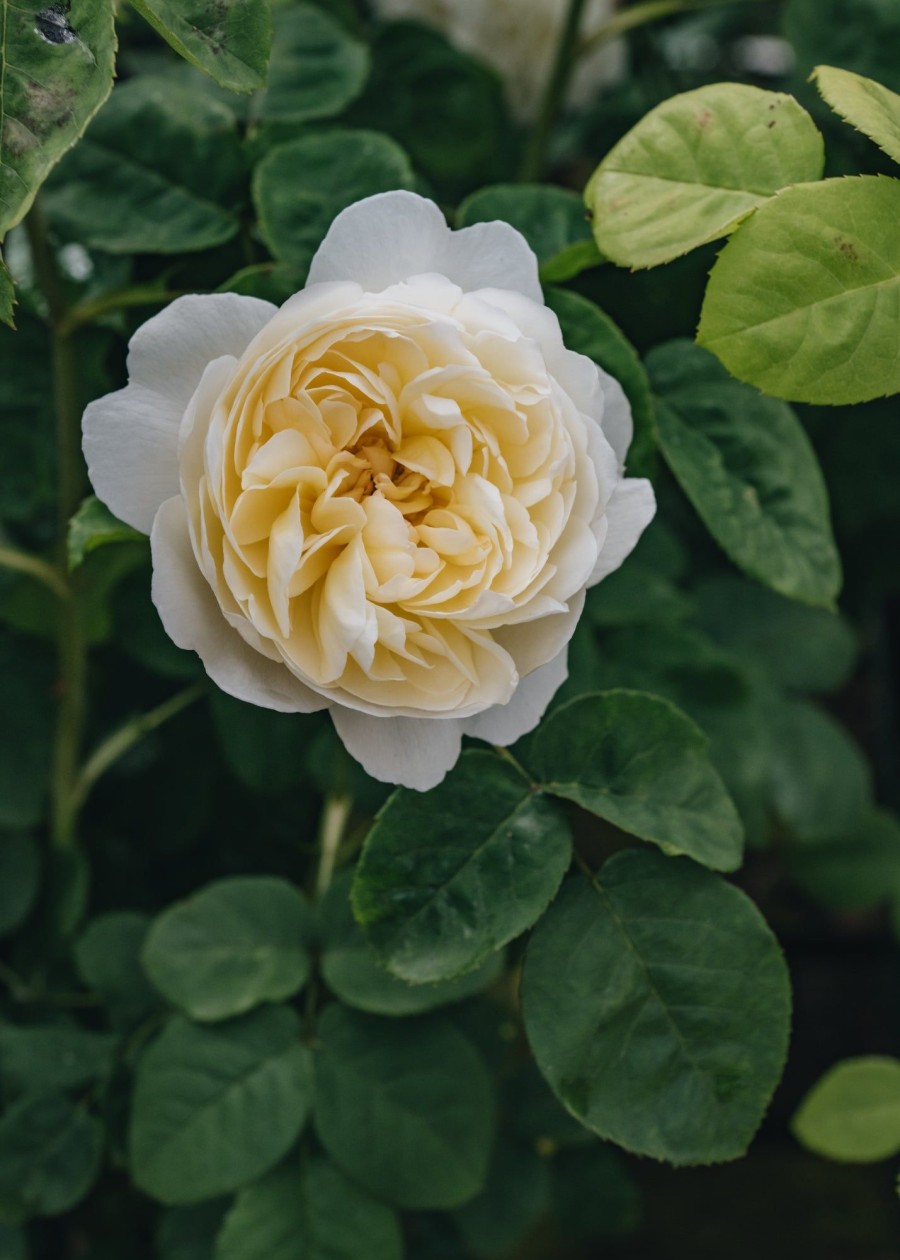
(802,302)
(231,946)
(641,764)
(308,1213)
(227,39)
(852,870)
(107,959)
(657,1004)
(158,172)
(215,1108)
(57,72)
(866,105)
(7,296)
(853,1113)
(189,1233)
(50,1152)
(317,67)
(355,974)
(93,526)
(750,471)
(448,877)
(797,646)
(20,875)
(593,1195)
(299,188)
(405,1108)
(552,220)
(588,330)
(51,1057)
(695,166)
(514,1199)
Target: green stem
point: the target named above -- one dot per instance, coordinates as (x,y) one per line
(335,816)
(554,94)
(109,303)
(641,15)
(116,745)
(22,562)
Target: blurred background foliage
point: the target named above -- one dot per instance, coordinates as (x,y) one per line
(181,186)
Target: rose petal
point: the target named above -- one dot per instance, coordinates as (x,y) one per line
(537,643)
(629,512)
(414,752)
(392,236)
(131,437)
(192,619)
(505,723)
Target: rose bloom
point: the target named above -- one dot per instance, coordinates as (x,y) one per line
(386,498)
(519,38)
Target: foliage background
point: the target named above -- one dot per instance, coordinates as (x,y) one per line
(182,186)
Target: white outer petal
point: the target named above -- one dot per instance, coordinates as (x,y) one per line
(618,425)
(388,238)
(532,644)
(629,512)
(193,619)
(131,436)
(505,723)
(413,752)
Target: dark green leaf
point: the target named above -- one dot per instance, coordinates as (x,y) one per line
(233,945)
(855,869)
(13,1243)
(189,1233)
(355,974)
(57,72)
(748,468)
(404,1108)
(298,188)
(657,1003)
(228,39)
(158,172)
(552,220)
(514,1199)
(638,762)
(536,1114)
(93,526)
(7,296)
(20,874)
(49,1155)
(308,1213)
(107,958)
(26,732)
(593,1195)
(46,1058)
(215,1108)
(449,876)
(317,68)
(264,749)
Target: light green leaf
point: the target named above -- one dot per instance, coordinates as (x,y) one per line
(158,172)
(308,1213)
(7,296)
(404,1107)
(50,1057)
(50,1153)
(853,1113)
(231,946)
(355,974)
(93,526)
(299,188)
(866,105)
(57,72)
(228,39)
(637,761)
(694,167)
(803,301)
(107,959)
(449,876)
(20,874)
(514,1199)
(657,1003)
(552,220)
(589,331)
(215,1108)
(750,471)
(317,67)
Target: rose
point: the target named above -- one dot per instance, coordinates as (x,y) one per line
(386,498)
(519,39)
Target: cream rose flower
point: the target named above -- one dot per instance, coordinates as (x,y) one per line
(386,498)
(519,38)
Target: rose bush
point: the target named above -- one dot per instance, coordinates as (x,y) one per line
(387,498)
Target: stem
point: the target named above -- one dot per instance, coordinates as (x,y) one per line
(641,15)
(22,562)
(554,94)
(335,816)
(116,745)
(108,303)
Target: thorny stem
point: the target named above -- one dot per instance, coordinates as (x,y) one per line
(554,94)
